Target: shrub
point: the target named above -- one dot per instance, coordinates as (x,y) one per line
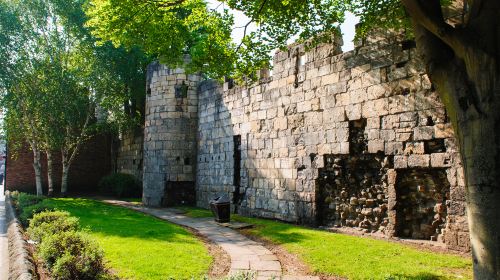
(72,255)
(121,185)
(25,200)
(27,212)
(51,222)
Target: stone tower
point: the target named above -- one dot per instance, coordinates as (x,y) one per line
(170,136)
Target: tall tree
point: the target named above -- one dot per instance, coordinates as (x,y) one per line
(55,70)
(462,61)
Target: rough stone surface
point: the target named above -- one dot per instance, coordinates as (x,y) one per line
(21,265)
(4,243)
(169,131)
(129,158)
(266,145)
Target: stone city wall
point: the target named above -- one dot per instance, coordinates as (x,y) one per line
(355,139)
(170,136)
(129,158)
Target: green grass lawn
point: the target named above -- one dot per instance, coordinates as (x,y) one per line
(138,246)
(355,257)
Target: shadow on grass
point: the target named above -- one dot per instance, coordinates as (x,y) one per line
(419,276)
(109,220)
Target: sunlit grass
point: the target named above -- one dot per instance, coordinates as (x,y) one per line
(138,246)
(354,257)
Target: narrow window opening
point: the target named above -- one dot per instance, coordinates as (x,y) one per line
(236,170)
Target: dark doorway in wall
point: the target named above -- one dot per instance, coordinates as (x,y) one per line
(179,193)
(421,196)
(236,170)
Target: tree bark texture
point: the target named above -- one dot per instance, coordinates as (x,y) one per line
(50,173)
(463,65)
(37,166)
(65,171)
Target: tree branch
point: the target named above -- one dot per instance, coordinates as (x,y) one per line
(430,17)
(248,23)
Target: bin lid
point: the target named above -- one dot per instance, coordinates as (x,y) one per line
(220,199)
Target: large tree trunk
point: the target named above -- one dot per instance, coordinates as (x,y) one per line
(37,166)
(468,81)
(50,173)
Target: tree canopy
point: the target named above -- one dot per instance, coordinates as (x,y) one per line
(55,78)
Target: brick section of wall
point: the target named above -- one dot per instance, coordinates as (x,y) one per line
(91,164)
(170,131)
(289,122)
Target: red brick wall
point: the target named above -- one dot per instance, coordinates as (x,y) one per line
(91,164)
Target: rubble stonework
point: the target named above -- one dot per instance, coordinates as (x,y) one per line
(355,139)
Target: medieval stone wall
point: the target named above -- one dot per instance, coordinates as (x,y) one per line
(129,158)
(170,135)
(356,139)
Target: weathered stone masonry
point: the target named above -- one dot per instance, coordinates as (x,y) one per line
(355,139)
(170,135)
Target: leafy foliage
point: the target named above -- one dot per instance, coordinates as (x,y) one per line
(67,253)
(28,205)
(168,30)
(72,255)
(50,222)
(57,87)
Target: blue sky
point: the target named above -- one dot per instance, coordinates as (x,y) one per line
(240,20)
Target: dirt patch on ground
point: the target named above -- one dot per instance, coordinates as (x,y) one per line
(222,262)
(41,271)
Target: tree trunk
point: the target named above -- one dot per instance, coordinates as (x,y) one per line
(64,178)
(481,141)
(50,173)
(37,166)
(470,92)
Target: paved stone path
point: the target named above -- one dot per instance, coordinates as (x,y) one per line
(4,252)
(246,255)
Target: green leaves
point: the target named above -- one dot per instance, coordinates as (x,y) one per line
(168,30)
(54,76)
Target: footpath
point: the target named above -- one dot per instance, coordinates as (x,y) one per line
(4,251)
(246,255)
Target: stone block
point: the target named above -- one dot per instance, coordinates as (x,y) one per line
(400,162)
(375,146)
(393,148)
(414,148)
(441,160)
(423,133)
(353,111)
(443,130)
(418,160)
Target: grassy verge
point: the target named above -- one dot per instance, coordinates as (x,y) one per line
(354,257)
(138,246)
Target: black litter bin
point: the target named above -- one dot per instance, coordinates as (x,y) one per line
(221,208)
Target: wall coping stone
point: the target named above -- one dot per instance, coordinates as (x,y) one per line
(21,264)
